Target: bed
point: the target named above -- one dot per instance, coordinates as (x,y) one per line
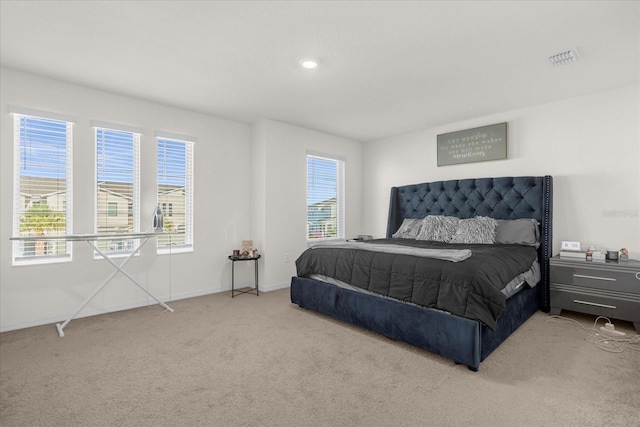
(466,339)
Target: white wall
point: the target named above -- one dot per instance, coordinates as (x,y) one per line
(33,295)
(590,145)
(250,183)
(279,192)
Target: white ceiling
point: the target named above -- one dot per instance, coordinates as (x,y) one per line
(386,67)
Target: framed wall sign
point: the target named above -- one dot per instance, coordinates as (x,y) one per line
(473,145)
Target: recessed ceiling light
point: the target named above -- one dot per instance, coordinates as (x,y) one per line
(309,64)
(564,58)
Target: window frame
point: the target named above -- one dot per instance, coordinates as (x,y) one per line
(118,247)
(171,213)
(340,163)
(20,208)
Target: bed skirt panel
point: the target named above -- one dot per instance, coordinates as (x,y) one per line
(519,308)
(450,336)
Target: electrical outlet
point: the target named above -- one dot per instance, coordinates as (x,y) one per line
(570,246)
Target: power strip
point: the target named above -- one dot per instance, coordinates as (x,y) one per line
(611,331)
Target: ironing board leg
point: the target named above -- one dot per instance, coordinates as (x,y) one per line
(119,268)
(135,282)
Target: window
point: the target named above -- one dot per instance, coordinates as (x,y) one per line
(117,187)
(112,209)
(42,188)
(325,197)
(167,209)
(175,194)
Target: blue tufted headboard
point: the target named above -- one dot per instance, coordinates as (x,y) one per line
(499,198)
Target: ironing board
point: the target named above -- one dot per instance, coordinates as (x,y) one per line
(92,240)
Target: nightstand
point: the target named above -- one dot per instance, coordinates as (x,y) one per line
(610,289)
(233,259)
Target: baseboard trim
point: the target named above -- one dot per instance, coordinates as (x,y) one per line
(137,304)
(274,287)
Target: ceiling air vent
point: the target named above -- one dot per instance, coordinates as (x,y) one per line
(564,58)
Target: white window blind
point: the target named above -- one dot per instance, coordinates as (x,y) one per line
(117,208)
(175,194)
(325,197)
(42,196)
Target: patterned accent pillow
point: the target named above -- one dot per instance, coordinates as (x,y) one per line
(480,229)
(409,229)
(438,228)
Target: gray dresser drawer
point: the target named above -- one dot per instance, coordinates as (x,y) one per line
(618,305)
(598,278)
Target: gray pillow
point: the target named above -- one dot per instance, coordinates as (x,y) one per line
(438,228)
(523,231)
(480,229)
(409,229)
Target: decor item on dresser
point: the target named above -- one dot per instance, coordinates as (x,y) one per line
(624,254)
(572,249)
(417,290)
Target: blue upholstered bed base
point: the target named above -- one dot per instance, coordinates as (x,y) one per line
(463,340)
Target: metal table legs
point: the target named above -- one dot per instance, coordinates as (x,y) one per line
(246,291)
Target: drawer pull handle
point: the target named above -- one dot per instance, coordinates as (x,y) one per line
(638,275)
(594,277)
(577,301)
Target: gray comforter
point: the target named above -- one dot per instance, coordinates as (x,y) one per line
(470,288)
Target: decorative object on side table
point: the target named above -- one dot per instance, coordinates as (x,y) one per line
(247,248)
(624,254)
(569,245)
(245,253)
(572,254)
(571,249)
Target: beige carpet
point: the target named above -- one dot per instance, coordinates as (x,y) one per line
(261,361)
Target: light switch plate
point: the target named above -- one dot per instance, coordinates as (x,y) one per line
(570,246)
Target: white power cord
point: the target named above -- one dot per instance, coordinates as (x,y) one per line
(606,338)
